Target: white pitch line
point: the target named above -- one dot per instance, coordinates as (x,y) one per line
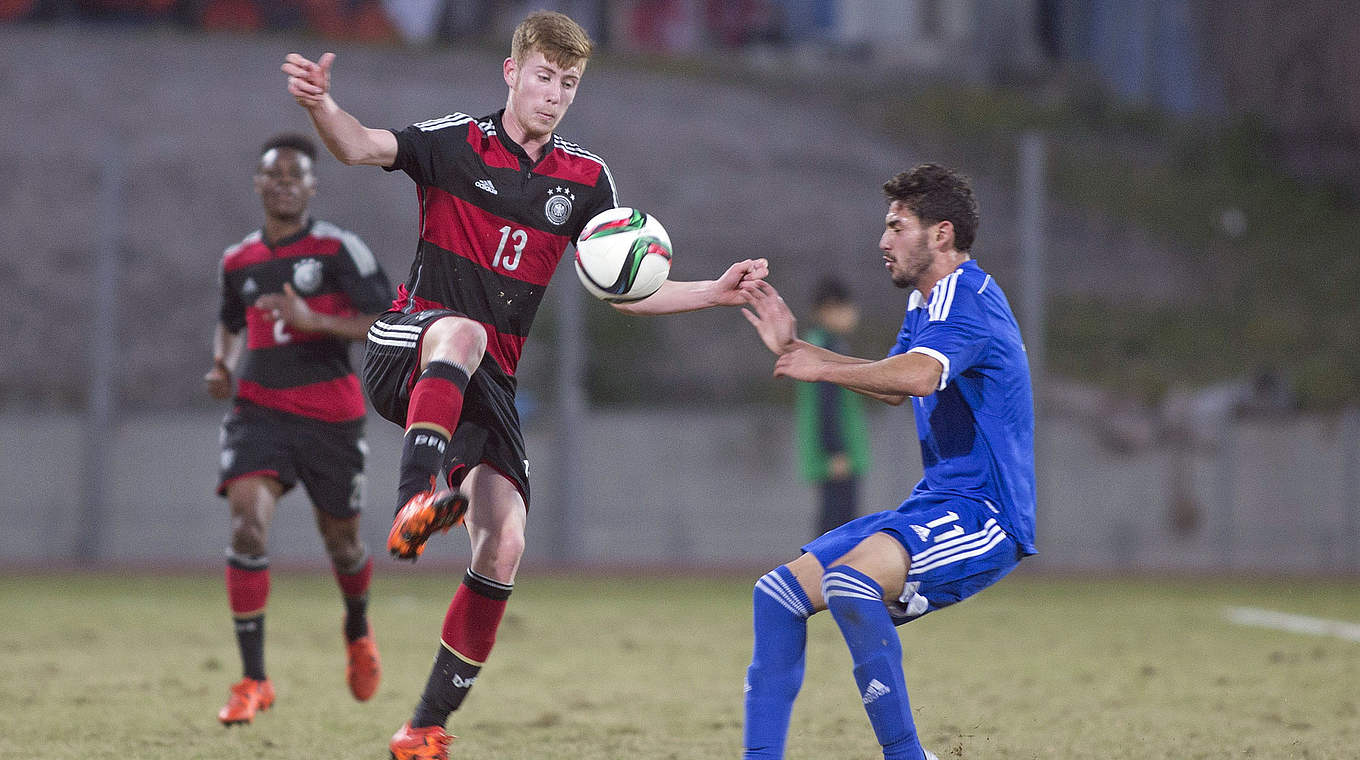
(1285,621)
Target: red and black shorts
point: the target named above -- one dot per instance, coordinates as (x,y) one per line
(328,457)
(488,429)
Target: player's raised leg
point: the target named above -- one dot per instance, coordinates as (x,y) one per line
(252,500)
(853,588)
(495,522)
(451,348)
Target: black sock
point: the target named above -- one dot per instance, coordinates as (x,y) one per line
(450,680)
(250,638)
(422,456)
(356,617)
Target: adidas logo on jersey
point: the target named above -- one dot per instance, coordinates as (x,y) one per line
(875,690)
(486,185)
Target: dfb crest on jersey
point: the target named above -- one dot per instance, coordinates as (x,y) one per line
(558,207)
(307,275)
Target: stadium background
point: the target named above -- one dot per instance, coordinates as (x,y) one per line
(128,133)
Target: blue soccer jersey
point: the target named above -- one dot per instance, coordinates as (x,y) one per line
(977,429)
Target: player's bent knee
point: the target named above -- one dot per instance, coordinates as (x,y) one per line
(456,339)
(844,582)
(344,550)
(498,555)
(248,540)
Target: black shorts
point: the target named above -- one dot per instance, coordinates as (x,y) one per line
(488,429)
(328,457)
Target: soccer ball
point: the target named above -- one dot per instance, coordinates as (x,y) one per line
(623,255)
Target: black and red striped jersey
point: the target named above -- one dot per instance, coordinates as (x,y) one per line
(493,224)
(303,373)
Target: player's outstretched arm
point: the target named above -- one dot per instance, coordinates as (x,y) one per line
(679,296)
(348,140)
(891,380)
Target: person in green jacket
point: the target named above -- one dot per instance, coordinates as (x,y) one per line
(833,439)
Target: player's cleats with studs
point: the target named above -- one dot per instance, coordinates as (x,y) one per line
(425,514)
(248,696)
(427,743)
(363,668)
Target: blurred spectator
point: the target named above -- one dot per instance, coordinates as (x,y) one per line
(833,440)
(658,25)
(365,20)
(806,21)
(128,9)
(16,10)
(417,21)
(736,23)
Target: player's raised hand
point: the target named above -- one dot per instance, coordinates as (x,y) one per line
(756,271)
(289,308)
(308,82)
(772,318)
(739,278)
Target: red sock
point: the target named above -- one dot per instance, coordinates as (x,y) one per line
(247,585)
(431,417)
(473,617)
(437,397)
(356,583)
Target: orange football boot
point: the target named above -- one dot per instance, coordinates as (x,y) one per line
(247,697)
(363,669)
(427,512)
(428,743)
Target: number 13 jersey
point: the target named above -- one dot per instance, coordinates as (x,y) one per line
(493,223)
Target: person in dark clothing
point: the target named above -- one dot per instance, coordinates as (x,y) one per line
(833,440)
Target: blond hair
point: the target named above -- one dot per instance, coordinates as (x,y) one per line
(562,41)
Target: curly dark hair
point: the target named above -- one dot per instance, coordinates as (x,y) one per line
(938,194)
(295,140)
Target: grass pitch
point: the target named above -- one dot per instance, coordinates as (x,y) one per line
(601,667)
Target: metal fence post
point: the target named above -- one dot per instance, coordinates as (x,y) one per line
(102,390)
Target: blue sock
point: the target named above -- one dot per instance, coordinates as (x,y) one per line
(856,602)
(780,611)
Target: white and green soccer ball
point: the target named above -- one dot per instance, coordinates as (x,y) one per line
(623,255)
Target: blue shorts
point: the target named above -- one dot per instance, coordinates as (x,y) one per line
(957,549)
